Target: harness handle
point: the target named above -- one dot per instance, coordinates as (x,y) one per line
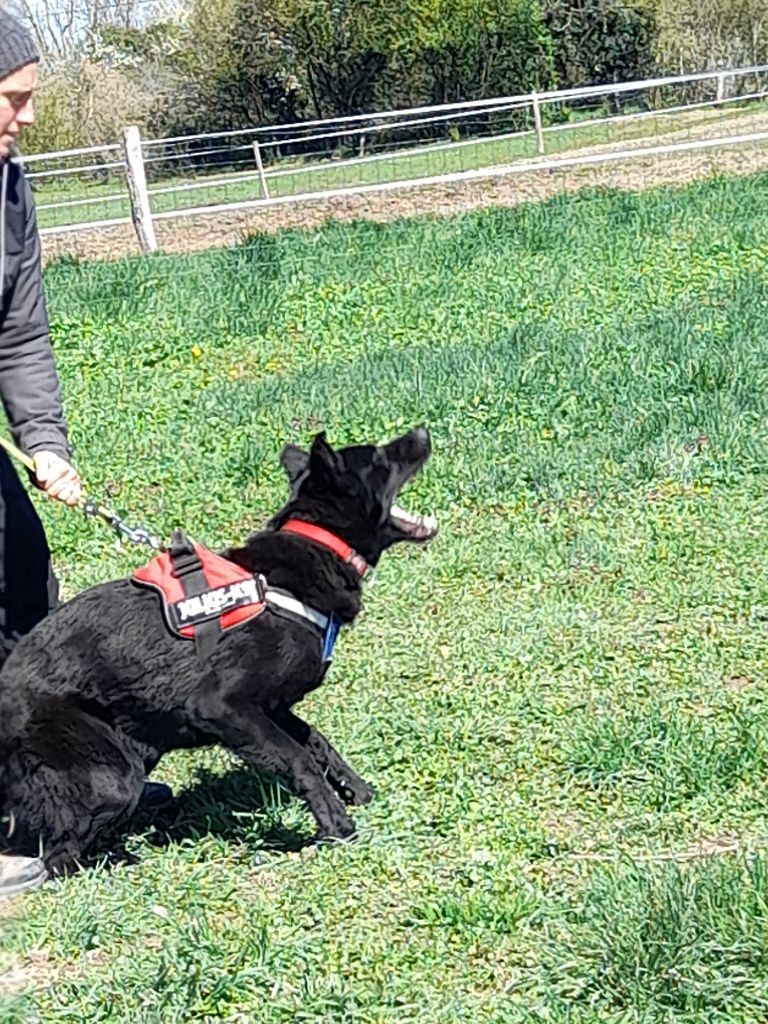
(183,555)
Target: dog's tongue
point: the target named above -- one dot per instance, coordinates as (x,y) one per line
(417,527)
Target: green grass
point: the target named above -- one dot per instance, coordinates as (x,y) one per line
(300,177)
(557,701)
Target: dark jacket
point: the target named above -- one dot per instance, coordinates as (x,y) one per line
(29,384)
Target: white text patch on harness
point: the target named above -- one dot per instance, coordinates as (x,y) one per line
(211,603)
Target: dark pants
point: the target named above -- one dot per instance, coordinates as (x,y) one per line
(28,588)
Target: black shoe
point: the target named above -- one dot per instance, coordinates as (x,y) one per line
(155,796)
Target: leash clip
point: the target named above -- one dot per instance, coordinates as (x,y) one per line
(134,534)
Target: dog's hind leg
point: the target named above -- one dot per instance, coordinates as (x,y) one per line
(262,743)
(58,814)
(71,780)
(347,783)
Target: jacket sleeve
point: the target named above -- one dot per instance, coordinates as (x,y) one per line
(29,383)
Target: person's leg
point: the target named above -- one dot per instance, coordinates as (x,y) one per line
(28,591)
(28,587)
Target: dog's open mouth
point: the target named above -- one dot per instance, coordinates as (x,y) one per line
(416,528)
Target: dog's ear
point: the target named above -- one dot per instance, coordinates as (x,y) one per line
(295,462)
(322,458)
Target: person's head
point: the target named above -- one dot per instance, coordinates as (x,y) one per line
(18,81)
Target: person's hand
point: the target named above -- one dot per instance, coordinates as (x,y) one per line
(57,478)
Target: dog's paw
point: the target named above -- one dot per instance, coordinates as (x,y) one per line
(342,829)
(353,790)
(355,793)
(64,864)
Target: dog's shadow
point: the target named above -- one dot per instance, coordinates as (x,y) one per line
(240,806)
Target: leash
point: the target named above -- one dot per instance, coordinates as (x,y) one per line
(185,561)
(94,509)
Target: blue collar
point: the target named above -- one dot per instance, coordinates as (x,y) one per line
(330,636)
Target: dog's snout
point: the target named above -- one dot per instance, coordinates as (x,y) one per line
(418,444)
(419,441)
(411,450)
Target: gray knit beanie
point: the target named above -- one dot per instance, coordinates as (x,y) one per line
(17,47)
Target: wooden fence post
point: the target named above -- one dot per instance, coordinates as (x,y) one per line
(260,165)
(136,176)
(720,87)
(537,123)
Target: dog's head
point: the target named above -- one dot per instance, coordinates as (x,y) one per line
(352,491)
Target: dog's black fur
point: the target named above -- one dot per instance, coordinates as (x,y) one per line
(94,696)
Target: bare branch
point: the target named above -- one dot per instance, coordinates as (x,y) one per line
(63,27)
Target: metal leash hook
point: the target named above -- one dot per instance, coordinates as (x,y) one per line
(134,534)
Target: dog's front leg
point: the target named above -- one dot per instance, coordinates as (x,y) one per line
(262,743)
(347,783)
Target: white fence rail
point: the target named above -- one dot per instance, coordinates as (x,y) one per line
(162,179)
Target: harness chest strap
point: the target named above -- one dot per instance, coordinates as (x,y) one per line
(329,625)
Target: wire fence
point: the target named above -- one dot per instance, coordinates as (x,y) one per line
(269,166)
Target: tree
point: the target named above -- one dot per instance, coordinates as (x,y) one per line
(268,62)
(601,41)
(93,85)
(64,28)
(698,35)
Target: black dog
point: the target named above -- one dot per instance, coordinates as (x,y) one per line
(94,696)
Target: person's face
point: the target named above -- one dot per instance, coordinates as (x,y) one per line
(17,109)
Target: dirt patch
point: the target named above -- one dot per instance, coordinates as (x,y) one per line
(533,183)
(34,969)
(38,970)
(738,683)
(719,846)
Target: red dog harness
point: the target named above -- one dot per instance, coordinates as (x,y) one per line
(203,594)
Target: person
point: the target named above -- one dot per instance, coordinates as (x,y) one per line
(30,393)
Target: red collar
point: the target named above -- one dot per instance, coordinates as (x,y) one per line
(328,540)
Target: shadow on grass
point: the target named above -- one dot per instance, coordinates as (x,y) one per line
(240,806)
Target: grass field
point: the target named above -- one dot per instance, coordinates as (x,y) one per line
(109,200)
(561,702)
